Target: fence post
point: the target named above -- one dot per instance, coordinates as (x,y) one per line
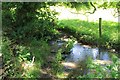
(100,35)
(100,28)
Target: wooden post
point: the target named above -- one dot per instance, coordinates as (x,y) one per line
(100,28)
(100,36)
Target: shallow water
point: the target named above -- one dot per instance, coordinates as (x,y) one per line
(81,52)
(74,63)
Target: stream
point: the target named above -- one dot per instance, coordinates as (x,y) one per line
(81,52)
(74,62)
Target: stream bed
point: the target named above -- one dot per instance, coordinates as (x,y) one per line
(74,62)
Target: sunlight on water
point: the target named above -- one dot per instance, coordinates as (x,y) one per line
(80,53)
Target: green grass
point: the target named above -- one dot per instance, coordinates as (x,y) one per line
(88,32)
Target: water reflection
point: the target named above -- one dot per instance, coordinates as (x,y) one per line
(104,56)
(80,53)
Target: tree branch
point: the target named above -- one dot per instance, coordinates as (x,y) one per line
(87,12)
(93,7)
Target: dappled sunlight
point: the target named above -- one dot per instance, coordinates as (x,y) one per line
(63,75)
(43,71)
(114,36)
(58,40)
(69,64)
(87,46)
(27,65)
(102,62)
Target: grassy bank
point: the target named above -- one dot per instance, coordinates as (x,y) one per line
(32,59)
(24,61)
(88,32)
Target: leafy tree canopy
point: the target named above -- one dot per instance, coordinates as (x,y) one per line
(87,6)
(26,20)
